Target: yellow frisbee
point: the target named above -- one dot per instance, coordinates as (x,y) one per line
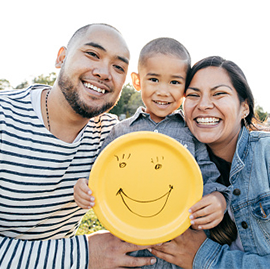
(144,183)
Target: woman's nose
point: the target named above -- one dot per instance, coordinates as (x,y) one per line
(205,103)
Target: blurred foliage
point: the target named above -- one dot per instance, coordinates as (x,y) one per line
(4,84)
(89,224)
(48,80)
(128,103)
(261,115)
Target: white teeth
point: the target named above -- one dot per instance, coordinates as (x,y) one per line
(207,121)
(161,103)
(95,88)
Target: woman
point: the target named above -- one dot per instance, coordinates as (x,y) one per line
(219,110)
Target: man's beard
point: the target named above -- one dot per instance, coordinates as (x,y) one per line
(72,97)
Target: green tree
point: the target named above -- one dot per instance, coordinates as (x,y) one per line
(261,115)
(48,80)
(134,102)
(129,101)
(23,85)
(4,84)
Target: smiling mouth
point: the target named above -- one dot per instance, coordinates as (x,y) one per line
(155,205)
(94,88)
(208,121)
(161,103)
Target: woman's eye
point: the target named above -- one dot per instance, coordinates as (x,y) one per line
(192,95)
(220,93)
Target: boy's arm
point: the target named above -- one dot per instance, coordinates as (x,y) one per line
(210,173)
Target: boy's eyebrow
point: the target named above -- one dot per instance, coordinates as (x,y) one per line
(157,75)
(98,46)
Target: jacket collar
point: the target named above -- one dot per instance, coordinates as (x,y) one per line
(141,113)
(240,152)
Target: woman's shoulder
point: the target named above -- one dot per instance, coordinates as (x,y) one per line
(260,139)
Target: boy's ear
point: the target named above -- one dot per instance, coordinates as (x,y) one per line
(60,57)
(136,81)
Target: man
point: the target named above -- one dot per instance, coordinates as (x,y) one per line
(50,137)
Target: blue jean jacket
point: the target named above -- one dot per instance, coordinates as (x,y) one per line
(250,205)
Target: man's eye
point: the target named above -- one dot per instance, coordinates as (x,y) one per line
(93,54)
(120,68)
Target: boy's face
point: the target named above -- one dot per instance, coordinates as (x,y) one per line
(161,80)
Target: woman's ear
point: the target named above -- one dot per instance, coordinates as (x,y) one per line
(136,81)
(60,57)
(245,109)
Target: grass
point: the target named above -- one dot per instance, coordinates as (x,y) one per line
(89,224)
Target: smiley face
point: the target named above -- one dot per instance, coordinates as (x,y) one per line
(138,207)
(144,183)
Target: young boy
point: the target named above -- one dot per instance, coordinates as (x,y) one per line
(162,70)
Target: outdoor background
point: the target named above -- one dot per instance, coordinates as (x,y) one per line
(32,31)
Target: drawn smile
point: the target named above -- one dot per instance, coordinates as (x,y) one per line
(147,207)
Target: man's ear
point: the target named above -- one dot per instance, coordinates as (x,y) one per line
(136,81)
(60,57)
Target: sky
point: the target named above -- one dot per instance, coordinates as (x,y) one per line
(32,31)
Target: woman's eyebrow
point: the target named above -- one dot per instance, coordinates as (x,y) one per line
(221,85)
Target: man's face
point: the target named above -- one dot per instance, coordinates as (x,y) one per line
(94,71)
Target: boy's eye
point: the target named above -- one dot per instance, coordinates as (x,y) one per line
(175,82)
(153,79)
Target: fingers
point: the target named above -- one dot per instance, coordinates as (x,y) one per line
(129,261)
(208,212)
(116,252)
(82,194)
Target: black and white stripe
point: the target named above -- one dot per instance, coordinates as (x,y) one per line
(37,175)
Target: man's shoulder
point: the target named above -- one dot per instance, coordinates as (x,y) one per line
(105,120)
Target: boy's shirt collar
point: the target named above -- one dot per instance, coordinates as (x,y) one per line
(141,113)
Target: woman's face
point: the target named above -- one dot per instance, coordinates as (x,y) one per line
(212,108)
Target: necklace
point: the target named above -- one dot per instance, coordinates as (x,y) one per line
(47,111)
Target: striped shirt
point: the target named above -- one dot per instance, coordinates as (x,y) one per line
(37,175)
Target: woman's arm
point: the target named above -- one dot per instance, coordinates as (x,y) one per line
(193,250)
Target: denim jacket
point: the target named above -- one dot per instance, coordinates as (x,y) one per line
(250,205)
(174,126)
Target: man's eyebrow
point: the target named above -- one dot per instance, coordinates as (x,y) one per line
(95,45)
(98,46)
(125,60)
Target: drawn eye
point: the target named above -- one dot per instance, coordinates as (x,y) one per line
(157,163)
(158,166)
(122,162)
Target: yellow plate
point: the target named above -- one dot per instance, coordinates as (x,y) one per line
(144,183)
